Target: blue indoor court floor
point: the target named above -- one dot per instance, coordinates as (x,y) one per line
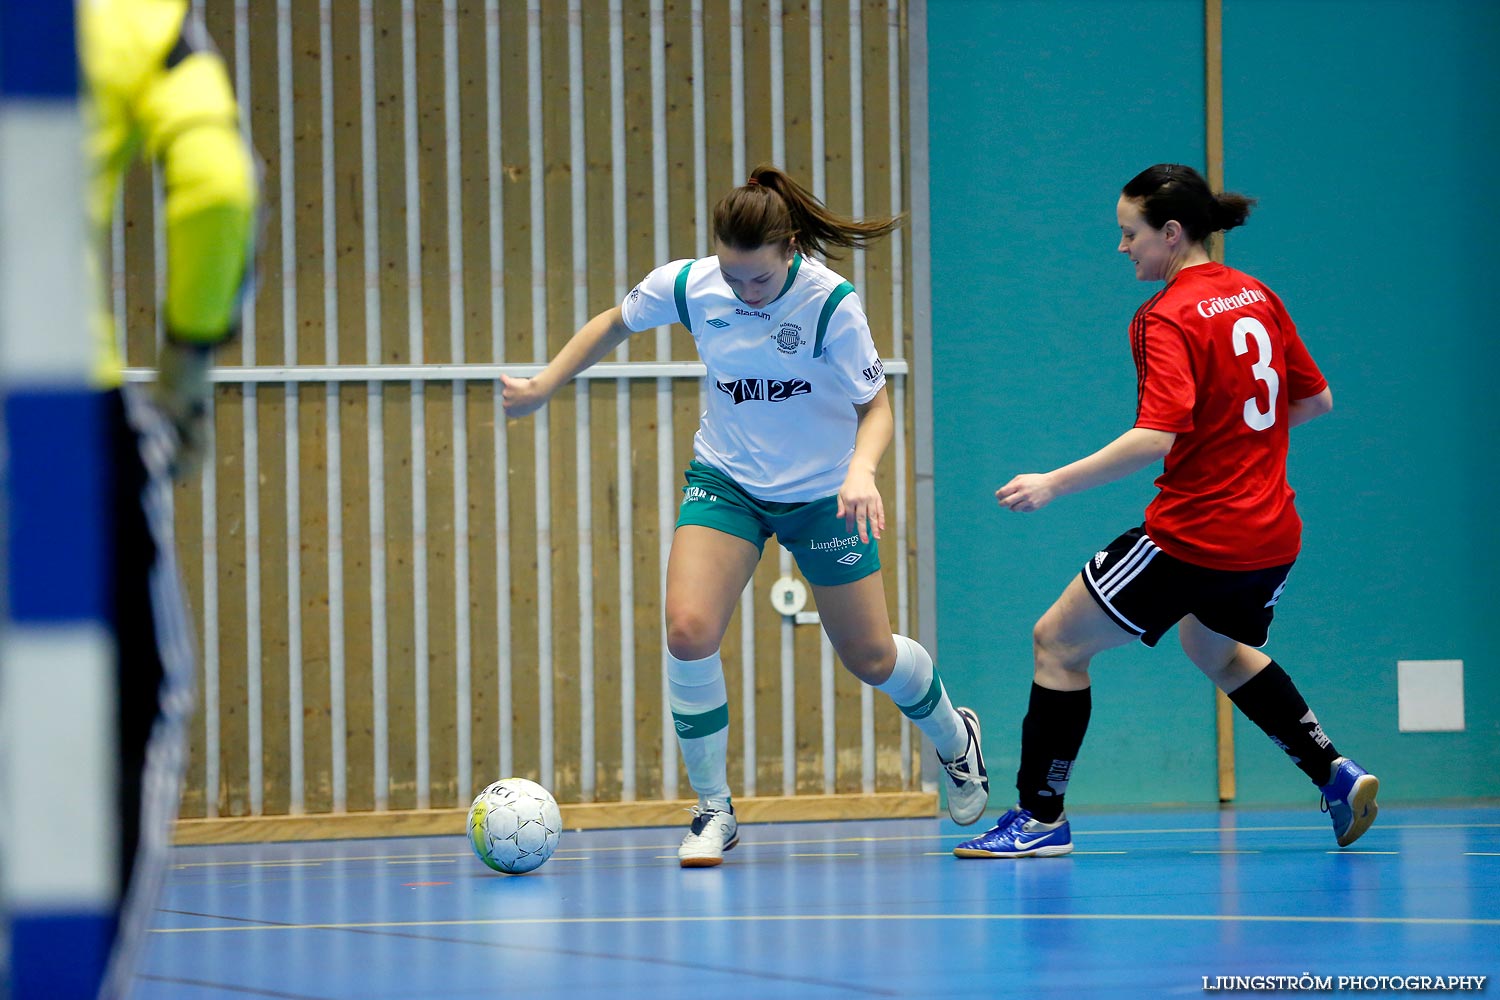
(1149,904)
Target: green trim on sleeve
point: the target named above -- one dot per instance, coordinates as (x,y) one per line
(680,292)
(834,298)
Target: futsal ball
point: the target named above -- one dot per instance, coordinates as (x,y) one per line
(514,825)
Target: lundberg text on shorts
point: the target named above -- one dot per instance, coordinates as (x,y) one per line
(1308,981)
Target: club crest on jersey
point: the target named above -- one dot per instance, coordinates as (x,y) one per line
(771,390)
(789,338)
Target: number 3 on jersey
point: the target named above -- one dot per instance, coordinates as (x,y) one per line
(1248,327)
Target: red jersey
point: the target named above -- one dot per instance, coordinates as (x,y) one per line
(1217,360)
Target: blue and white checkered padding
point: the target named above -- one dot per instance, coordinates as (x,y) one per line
(57,701)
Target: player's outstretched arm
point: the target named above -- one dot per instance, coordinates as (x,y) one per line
(594,340)
(1131,451)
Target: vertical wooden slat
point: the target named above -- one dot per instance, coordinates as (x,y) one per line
(332,628)
(803,136)
(681,240)
(235,692)
(417,412)
(395,293)
(605,493)
(583,458)
(479,412)
(454,143)
(311,566)
(139,248)
(441,591)
(270,421)
(353,414)
(641,256)
(523,714)
(563,413)
(718,110)
(839,136)
(757,62)
(187,509)
(621,276)
(234,695)
(287,665)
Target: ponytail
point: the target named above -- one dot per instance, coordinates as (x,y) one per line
(1170,191)
(1230,211)
(772,208)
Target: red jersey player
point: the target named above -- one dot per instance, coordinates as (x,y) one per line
(1221,377)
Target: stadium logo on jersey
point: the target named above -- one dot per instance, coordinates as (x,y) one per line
(717,324)
(771,390)
(789,338)
(874,372)
(752,313)
(1229,303)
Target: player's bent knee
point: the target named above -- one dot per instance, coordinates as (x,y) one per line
(692,637)
(871,662)
(1045,637)
(1054,655)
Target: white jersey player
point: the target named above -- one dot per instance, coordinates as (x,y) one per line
(797,421)
(784,375)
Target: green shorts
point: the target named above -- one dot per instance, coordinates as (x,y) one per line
(827,552)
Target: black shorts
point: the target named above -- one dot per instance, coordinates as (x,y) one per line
(1146,592)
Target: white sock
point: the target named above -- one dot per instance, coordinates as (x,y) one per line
(918,691)
(700,714)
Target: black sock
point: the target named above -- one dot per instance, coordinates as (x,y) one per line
(1272,702)
(1051,734)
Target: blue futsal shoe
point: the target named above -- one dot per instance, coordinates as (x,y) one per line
(1018,835)
(1349,799)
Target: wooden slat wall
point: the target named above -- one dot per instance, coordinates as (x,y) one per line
(321,590)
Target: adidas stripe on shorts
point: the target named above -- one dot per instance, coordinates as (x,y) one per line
(1146,591)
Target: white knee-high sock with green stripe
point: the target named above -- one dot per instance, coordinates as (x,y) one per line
(700,714)
(916,688)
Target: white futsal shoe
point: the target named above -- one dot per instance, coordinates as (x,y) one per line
(713,832)
(970,791)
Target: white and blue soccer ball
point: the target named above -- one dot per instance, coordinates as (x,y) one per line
(514,825)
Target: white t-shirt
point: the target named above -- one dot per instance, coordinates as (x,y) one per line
(783,379)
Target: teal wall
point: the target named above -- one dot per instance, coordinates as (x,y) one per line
(1367,129)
